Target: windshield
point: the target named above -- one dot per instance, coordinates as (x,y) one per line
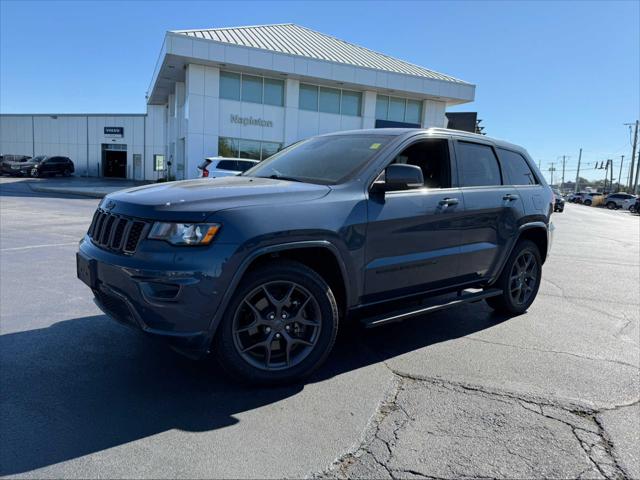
(325,160)
(38,159)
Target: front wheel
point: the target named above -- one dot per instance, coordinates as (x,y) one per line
(279,327)
(519,281)
(587,203)
(35,172)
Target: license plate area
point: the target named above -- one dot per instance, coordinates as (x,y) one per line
(86,270)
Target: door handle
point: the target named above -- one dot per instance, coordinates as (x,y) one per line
(511,197)
(448,202)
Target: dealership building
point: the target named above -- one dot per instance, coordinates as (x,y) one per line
(240,92)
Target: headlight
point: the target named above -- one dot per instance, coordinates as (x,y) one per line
(184,233)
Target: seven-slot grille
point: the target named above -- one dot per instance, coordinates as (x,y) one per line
(115,232)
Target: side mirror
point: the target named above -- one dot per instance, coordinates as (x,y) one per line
(399,176)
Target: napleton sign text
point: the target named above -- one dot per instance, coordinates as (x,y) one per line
(245,121)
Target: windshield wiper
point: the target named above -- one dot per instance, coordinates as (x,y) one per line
(283,177)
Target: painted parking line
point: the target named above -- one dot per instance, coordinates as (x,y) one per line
(29,247)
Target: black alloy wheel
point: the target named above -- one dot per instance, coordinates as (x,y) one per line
(276,325)
(519,280)
(279,326)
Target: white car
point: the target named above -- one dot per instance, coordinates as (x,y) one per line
(213,167)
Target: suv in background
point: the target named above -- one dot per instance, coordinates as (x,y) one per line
(214,167)
(374,226)
(618,200)
(558,204)
(7,163)
(589,198)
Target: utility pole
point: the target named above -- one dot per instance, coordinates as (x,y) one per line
(633,155)
(620,173)
(578,172)
(552,169)
(633,184)
(563,165)
(610,163)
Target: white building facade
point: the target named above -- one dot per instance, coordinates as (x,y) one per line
(242,92)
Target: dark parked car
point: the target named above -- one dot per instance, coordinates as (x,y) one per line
(43,166)
(261,268)
(558,204)
(7,162)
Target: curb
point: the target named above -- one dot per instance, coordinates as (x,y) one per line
(63,191)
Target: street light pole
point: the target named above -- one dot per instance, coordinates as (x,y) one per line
(633,156)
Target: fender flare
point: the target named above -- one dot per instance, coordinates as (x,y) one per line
(523,228)
(237,276)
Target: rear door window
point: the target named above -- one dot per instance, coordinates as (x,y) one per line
(477,165)
(231,165)
(243,166)
(515,168)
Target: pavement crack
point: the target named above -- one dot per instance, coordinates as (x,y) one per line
(559,352)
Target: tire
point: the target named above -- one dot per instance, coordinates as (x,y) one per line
(66,172)
(252,342)
(612,205)
(35,172)
(508,302)
(587,203)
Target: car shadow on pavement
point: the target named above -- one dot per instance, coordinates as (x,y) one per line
(85,385)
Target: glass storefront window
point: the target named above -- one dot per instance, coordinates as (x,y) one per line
(251,89)
(228,147)
(308,97)
(273,92)
(351,103)
(396,109)
(329,100)
(382,107)
(269,149)
(414,111)
(230,85)
(250,149)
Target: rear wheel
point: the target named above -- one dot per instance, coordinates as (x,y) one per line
(66,172)
(519,281)
(587,203)
(280,325)
(611,205)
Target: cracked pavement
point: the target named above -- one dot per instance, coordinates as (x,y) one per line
(460,393)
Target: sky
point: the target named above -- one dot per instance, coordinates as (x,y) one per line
(553,77)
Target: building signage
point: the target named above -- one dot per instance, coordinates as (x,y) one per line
(246,121)
(114,132)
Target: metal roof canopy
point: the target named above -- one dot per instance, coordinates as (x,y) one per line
(278,47)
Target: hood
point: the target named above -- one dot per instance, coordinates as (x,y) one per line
(195,200)
(26,164)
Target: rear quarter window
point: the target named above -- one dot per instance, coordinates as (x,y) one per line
(516,169)
(231,165)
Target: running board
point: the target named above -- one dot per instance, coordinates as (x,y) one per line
(429,306)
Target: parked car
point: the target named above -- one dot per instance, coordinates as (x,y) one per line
(558,205)
(592,198)
(634,207)
(261,268)
(575,197)
(214,167)
(7,161)
(49,166)
(617,200)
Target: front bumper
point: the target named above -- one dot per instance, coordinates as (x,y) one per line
(164,291)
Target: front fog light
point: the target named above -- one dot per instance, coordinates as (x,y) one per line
(184,233)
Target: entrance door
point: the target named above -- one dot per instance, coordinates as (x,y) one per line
(114,160)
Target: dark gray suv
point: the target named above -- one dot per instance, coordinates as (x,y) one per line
(372,225)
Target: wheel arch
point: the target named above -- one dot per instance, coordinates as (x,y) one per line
(320,255)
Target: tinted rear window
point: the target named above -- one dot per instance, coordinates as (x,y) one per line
(231,165)
(515,168)
(477,165)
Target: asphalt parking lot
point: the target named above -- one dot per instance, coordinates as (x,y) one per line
(461,393)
